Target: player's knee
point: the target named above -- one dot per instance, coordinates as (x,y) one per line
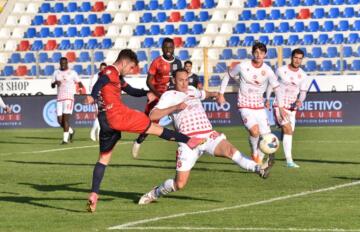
(287,130)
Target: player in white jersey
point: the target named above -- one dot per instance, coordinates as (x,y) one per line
(65,80)
(185,107)
(293,86)
(95,130)
(255,76)
(6,108)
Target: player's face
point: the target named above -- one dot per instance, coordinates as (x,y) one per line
(127,67)
(296,60)
(181,81)
(102,67)
(168,50)
(63,64)
(188,67)
(258,56)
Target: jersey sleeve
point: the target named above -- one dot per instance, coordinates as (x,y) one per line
(305,83)
(170,98)
(235,72)
(76,77)
(273,80)
(53,78)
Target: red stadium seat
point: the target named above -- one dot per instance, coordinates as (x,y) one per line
(175,16)
(71,56)
(50,45)
(304,13)
(51,20)
(21,70)
(24,45)
(265,3)
(194,4)
(99,6)
(178,42)
(99,31)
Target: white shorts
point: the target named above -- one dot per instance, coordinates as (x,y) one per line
(291,117)
(64,107)
(186,157)
(252,117)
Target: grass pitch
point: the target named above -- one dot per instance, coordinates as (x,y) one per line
(44,186)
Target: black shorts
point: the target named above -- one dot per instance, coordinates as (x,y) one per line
(108,136)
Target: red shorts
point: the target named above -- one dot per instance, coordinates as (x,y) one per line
(150,106)
(128,120)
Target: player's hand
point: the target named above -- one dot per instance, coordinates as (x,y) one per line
(283,114)
(7,109)
(58,83)
(298,103)
(151,97)
(89,100)
(221,99)
(267,104)
(181,106)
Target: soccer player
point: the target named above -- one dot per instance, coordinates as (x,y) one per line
(4,106)
(293,86)
(114,116)
(184,105)
(159,79)
(95,130)
(255,76)
(193,78)
(65,80)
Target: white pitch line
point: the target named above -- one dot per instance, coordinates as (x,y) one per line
(134,223)
(243,229)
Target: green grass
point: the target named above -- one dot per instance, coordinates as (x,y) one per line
(47,191)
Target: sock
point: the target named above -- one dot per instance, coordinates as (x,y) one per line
(98,175)
(261,154)
(174,136)
(287,145)
(66,137)
(141,138)
(165,188)
(243,161)
(71,130)
(95,125)
(254,144)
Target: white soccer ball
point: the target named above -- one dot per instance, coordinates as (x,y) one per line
(268,143)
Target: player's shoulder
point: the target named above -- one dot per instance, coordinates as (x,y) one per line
(172,94)
(303,73)
(109,71)
(282,68)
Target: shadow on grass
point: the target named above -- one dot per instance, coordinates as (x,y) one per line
(198,162)
(347,178)
(323,161)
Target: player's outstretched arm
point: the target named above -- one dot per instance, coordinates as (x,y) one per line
(157,113)
(101,82)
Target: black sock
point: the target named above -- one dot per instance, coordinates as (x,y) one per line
(98,174)
(174,136)
(141,138)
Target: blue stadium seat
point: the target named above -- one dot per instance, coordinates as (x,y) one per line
(44,32)
(353,38)
(234,41)
(189,16)
(43,57)
(313,26)
(64,45)
(92,44)
(106,43)
(355,65)
(92,19)
(78,68)
(324,2)
(356,25)
(79,19)
(284,27)
(78,44)
(275,14)
(353,2)
(85,7)
(8,70)
(294,3)
(338,39)
(208,4)
(181,4)
(190,42)
(328,26)
(99,56)
(161,17)
(226,54)
(278,3)
(153,5)
(338,2)
(140,30)
(203,16)
(271,53)
(90,71)
(293,40)
(49,70)
(30,33)
(348,12)
(183,29)
(308,39)
(141,55)
(37,45)
(167,5)
(316,52)
(260,14)
(65,20)
(33,71)
(334,13)
(278,40)
(169,29)
(72,7)
(245,15)
(286,53)
(58,32)
(220,67)
(299,26)
(251,3)
(197,29)
(332,52)
(347,51)
(310,66)
(139,5)
(308,2)
(154,30)
(144,70)
(85,31)
(241,53)
(319,13)
(269,27)
(146,18)
(29,58)
(248,41)
(71,32)
(184,55)
(289,14)
(154,54)
(323,39)
(255,28)
(55,58)
(240,28)
(326,65)
(159,43)
(148,42)
(215,80)
(264,39)
(340,66)
(15,58)
(84,57)
(38,20)
(59,7)
(45,8)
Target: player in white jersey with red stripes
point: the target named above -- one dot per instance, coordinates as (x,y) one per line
(255,76)
(293,86)
(189,117)
(65,80)
(6,108)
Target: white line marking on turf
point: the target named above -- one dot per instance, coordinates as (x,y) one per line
(134,223)
(243,229)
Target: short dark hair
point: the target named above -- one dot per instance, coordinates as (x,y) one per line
(128,54)
(179,71)
(103,64)
(187,62)
(297,51)
(260,46)
(167,40)
(63,58)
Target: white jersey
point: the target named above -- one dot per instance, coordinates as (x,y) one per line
(67,88)
(253,83)
(193,119)
(291,83)
(93,80)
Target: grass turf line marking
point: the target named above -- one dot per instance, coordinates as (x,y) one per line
(134,223)
(243,229)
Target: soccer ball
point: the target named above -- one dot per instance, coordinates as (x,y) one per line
(268,143)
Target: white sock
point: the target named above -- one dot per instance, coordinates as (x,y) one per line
(96,125)
(254,144)
(243,161)
(165,188)
(71,130)
(287,145)
(66,137)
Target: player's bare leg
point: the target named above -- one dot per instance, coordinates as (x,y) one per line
(254,135)
(137,144)
(287,145)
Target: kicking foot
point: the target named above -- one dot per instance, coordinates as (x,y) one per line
(93,136)
(147,198)
(92,200)
(64,143)
(292,165)
(136,149)
(71,136)
(194,142)
(264,171)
